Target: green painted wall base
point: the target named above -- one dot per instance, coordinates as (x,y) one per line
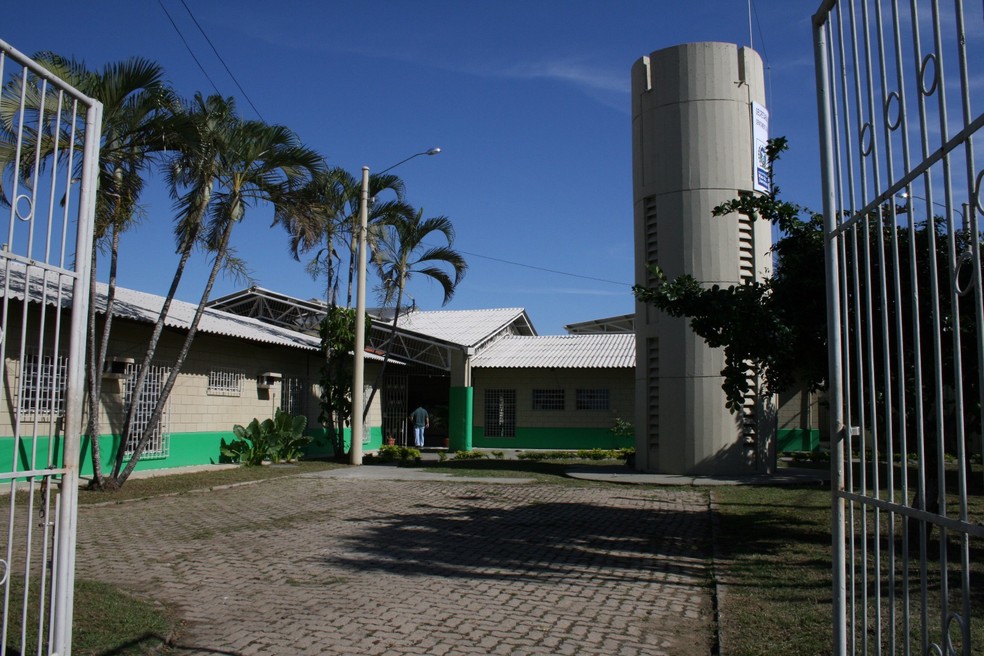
(184,450)
(797,439)
(553,438)
(460,411)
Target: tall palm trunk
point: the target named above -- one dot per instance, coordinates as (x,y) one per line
(144,369)
(97,357)
(158,412)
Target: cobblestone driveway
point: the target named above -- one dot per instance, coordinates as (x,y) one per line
(316,565)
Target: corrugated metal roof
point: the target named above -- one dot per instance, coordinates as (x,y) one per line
(465,327)
(140,306)
(611,350)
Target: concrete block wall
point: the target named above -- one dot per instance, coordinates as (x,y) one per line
(619,382)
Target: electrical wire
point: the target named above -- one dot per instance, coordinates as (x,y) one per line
(538,268)
(190,51)
(215,50)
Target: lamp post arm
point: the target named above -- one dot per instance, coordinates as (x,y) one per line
(432,151)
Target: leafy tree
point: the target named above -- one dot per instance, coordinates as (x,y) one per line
(323,216)
(337,331)
(401,253)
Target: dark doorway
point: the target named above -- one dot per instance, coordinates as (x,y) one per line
(430,388)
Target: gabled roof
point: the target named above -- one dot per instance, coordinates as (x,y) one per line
(56,289)
(468,328)
(610,350)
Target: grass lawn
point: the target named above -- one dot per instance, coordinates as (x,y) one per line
(774,551)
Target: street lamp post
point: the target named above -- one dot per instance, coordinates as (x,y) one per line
(359,353)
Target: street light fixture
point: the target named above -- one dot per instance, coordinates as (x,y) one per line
(962,211)
(359,353)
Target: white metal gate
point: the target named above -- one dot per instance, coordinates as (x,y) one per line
(48,202)
(902,204)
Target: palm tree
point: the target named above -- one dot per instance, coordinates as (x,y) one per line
(323,215)
(136,128)
(224,165)
(401,253)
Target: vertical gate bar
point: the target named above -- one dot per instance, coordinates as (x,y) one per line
(839,589)
(887,336)
(844,378)
(938,337)
(63,587)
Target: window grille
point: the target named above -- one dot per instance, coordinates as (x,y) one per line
(292,396)
(592,399)
(42,386)
(158,445)
(500,413)
(225,382)
(548,399)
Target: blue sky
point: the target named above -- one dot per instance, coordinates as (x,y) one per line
(528,100)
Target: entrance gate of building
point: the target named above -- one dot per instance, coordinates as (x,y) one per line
(44,298)
(902,205)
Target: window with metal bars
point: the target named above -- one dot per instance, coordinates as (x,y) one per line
(158,443)
(41,389)
(548,399)
(291,396)
(500,413)
(592,399)
(225,382)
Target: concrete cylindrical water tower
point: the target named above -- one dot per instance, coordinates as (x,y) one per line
(694,109)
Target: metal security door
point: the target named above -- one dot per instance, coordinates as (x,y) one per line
(395,410)
(902,203)
(49,148)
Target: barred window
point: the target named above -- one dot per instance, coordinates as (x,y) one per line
(43,380)
(158,446)
(548,399)
(291,390)
(225,382)
(500,413)
(592,399)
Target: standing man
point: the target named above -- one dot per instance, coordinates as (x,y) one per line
(421,420)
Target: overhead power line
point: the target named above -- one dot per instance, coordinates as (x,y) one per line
(538,268)
(215,50)
(188,47)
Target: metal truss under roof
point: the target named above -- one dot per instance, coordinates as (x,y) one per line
(275,308)
(408,345)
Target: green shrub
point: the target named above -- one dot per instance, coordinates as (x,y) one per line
(582,454)
(470,455)
(498,455)
(394,453)
(278,439)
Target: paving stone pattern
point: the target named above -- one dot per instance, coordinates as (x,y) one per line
(316,565)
